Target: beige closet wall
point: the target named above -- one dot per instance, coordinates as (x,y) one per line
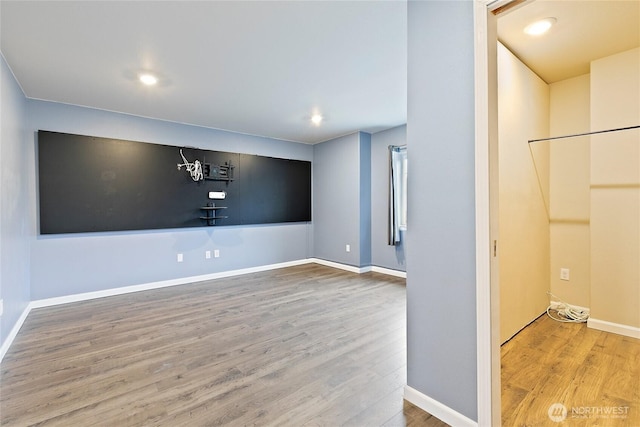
(615,192)
(590,186)
(569,190)
(523,114)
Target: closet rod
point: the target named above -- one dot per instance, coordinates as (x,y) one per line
(583,134)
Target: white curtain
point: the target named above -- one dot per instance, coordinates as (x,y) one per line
(397,192)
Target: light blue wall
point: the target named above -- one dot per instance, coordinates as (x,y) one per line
(383,255)
(70,264)
(339,181)
(60,265)
(15,230)
(441,300)
(365,199)
(336,210)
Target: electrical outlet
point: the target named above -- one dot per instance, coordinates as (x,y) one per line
(564,274)
(180,257)
(207,254)
(348,248)
(216,253)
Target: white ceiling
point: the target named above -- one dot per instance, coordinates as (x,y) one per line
(263,67)
(259,67)
(585,30)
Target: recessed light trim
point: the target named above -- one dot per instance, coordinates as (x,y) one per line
(148,79)
(540,27)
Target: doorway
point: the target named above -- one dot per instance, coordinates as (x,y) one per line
(534,264)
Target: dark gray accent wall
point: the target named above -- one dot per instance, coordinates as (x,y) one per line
(15,181)
(70,264)
(92,184)
(441,300)
(382,254)
(341,201)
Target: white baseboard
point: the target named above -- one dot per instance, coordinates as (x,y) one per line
(346,267)
(603,325)
(359,270)
(437,409)
(389,272)
(48,302)
(616,328)
(160,284)
(14,332)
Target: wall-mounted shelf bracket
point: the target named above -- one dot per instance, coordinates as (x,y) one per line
(211,213)
(218,172)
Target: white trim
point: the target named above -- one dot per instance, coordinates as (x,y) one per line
(161,284)
(616,328)
(488,368)
(47,302)
(340,266)
(437,409)
(492,5)
(389,272)
(14,332)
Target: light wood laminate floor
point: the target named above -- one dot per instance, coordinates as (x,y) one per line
(301,346)
(594,374)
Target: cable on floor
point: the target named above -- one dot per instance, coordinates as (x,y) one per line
(563,312)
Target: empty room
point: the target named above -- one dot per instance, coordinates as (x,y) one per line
(313,213)
(181,243)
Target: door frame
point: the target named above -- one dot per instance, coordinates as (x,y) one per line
(486,191)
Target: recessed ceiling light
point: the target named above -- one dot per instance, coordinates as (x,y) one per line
(539,27)
(148,79)
(316,119)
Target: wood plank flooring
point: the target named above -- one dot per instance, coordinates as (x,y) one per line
(301,346)
(594,374)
